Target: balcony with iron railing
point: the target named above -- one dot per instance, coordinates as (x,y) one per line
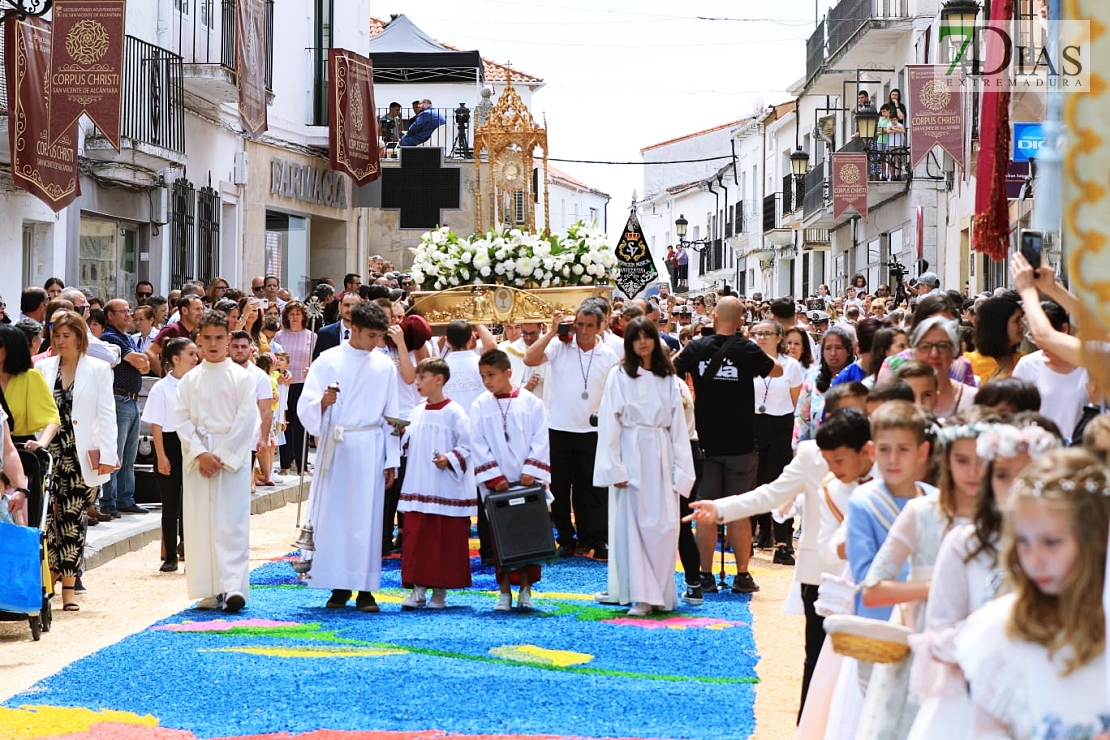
(887,158)
(815,191)
(772,211)
(153,112)
(713,256)
(791,192)
(856,33)
(206,39)
(152,126)
(815,50)
(455,136)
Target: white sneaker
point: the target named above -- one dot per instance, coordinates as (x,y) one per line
(504,603)
(639,609)
(603,597)
(524,599)
(439,599)
(211,603)
(416,599)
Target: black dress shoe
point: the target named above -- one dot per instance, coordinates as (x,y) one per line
(365,603)
(133,509)
(339,599)
(169,566)
(601,553)
(566,551)
(784,555)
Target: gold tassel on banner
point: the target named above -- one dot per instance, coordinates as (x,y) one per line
(1087,197)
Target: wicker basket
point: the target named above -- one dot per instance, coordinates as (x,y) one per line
(868,649)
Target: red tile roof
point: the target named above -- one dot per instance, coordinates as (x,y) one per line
(696,133)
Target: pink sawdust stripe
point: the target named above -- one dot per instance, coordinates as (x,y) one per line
(122,731)
(222,626)
(673,622)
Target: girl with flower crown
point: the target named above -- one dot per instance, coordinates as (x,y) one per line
(1035,658)
(915,537)
(966,575)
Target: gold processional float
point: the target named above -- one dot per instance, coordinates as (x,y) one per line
(508,142)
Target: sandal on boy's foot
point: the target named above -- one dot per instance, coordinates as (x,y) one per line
(365,603)
(69,606)
(234,602)
(339,598)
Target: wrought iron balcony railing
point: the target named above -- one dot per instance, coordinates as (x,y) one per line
(206,34)
(446,136)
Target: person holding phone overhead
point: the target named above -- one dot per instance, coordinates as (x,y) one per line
(83,446)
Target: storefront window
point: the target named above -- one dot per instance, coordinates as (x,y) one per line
(108,258)
(287,250)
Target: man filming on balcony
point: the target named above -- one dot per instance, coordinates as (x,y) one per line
(426,122)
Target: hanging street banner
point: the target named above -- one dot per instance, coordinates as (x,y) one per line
(86,66)
(352,121)
(45,170)
(936,113)
(849,183)
(637,268)
(250,65)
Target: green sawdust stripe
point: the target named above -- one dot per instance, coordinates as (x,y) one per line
(565,669)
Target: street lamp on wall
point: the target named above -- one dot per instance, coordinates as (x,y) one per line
(799,163)
(867,124)
(961,13)
(680,227)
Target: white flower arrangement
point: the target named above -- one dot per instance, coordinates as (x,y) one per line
(581,256)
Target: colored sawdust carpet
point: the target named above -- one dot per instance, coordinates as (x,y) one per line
(287,668)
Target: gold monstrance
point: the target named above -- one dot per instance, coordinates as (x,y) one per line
(509,139)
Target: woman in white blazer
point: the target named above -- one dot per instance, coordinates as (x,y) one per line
(84,447)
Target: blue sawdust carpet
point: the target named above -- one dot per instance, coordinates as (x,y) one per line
(570,668)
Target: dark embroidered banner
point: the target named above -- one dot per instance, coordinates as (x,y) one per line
(849,183)
(352,123)
(250,65)
(46,171)
(637,268)
(936,114)
(86,66)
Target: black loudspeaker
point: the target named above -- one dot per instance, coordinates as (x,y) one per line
(145,490)
(520,526)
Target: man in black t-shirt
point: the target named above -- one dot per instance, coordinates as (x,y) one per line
(722,366)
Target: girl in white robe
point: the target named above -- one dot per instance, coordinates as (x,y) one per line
(643,454)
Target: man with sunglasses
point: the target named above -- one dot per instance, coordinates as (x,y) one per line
(143,291)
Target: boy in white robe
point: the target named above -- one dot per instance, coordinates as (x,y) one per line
(438,495)
(357,458)
(217,420)
(510,443)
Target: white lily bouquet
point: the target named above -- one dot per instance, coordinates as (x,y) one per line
(581,256)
